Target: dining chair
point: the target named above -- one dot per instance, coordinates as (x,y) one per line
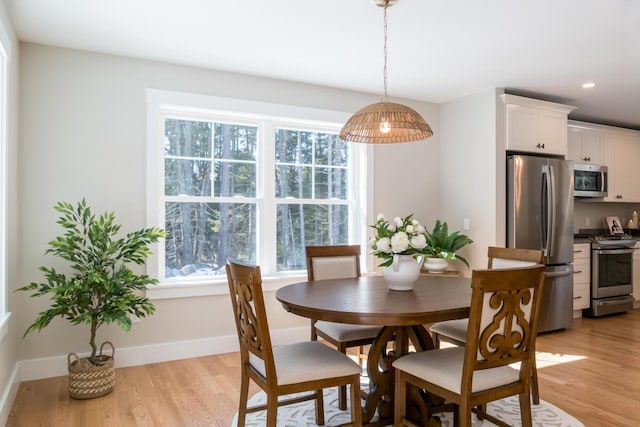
(337,262)
(294,368)
(502,330)
(455,331)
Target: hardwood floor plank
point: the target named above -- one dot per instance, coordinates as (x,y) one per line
(591,371)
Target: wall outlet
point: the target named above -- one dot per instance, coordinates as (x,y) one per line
(587,221)
(465,224)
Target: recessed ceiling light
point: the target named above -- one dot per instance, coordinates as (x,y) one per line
(588,85)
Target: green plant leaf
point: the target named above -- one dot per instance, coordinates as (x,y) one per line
(444,245)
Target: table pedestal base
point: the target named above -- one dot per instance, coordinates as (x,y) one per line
(382,375)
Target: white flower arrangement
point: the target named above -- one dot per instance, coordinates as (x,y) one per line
(402,236)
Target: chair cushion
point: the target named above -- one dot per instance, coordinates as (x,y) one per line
(456,329)
(499,263)
(334,267)
(307,361)
(444,368)
(344,332)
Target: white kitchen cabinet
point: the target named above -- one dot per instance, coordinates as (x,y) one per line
(636,272)
(535,126)
(621,154)
(581,275)
(585,145)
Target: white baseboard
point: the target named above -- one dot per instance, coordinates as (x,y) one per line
(9,395)
(56,366)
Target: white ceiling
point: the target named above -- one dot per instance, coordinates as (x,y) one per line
(438,50)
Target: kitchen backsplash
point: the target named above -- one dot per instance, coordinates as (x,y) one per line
(589,214)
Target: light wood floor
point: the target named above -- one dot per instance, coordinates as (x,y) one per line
(595,376)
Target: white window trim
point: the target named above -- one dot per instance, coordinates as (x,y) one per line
(5,56)
(159,100)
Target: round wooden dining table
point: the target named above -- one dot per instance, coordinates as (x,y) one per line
(401,314)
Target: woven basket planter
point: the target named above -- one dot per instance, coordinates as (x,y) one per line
(87,380)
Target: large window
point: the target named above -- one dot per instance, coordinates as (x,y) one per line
(248,186)
(312,193)
(210,194)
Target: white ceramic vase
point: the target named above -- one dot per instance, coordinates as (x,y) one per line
(435,265)
(403,273)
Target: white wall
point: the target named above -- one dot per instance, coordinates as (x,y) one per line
(9,343)
(407,179)
(469,170)
(82,124)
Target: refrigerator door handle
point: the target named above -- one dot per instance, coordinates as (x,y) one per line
(559,273)
(548,208)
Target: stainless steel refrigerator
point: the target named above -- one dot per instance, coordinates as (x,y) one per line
(540,216)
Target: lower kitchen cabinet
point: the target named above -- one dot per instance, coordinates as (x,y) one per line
(582,275)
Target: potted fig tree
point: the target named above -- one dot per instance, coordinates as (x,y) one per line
(100,289)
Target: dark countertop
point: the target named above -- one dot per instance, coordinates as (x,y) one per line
(632,231)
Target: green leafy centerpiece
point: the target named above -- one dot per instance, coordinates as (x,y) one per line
(101,290)
(442,245)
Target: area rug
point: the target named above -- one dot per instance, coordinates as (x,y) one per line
(507,410)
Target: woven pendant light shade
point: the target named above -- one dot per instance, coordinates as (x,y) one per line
(385,123)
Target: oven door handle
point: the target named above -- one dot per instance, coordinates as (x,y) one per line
(615,301)
(613,251)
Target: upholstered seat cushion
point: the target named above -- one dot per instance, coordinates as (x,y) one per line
(334,267)
(499,263)
(444,368)
(456,329)
(346,332)
(307,361)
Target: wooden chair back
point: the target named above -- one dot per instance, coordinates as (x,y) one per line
(511,257)
(247,299)
(332,262)
(502,320)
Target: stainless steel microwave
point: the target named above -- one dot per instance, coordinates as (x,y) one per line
(589,180)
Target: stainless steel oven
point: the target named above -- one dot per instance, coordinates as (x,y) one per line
(611,276)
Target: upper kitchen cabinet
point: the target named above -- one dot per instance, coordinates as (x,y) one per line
(535,126)
(585,145)
(621,154)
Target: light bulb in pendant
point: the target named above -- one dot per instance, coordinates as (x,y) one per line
(385,127)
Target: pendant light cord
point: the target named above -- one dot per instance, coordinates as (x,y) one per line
(385,122)
(384,69)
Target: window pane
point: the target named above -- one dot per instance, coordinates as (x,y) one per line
(331,150)
(293,146)
(331,183)
(292,181)
(202,236)
(188,177)
(235,142)
(187,138)
(235,179)
(302,225)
